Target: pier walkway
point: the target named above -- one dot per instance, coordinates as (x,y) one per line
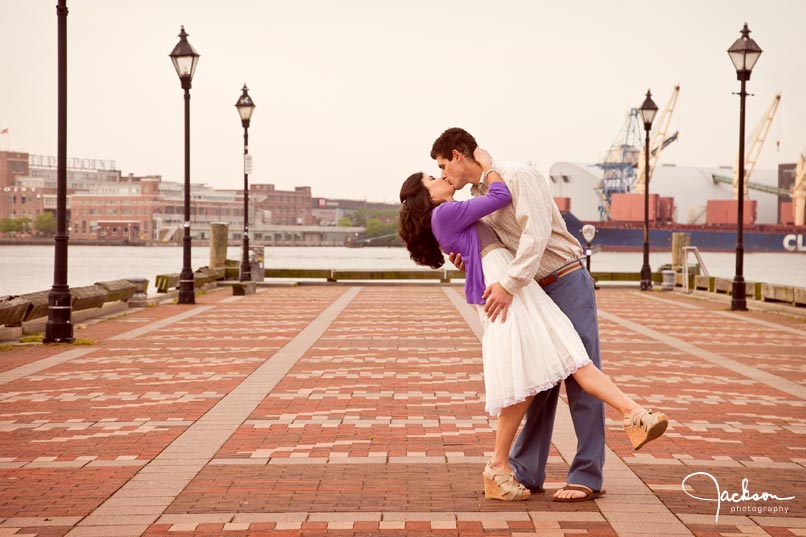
(358,410)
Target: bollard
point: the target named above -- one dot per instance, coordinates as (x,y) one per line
(218,244)
(139,298)
(679,241)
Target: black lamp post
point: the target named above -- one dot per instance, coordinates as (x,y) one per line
(245,107)
(648,110)
(744,54)
(59,328)
(184,58)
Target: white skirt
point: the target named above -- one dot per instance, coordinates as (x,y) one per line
(534,350)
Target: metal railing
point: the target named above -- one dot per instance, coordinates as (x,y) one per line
(703,268)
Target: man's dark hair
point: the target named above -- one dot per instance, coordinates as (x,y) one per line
(454,138)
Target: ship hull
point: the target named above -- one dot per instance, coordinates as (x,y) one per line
(630,237)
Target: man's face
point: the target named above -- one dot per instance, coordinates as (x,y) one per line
(454,171)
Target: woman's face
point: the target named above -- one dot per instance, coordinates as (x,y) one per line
(439,189)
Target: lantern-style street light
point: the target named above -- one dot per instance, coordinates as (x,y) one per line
(744,54)
(648,110)
(245,107)
(184,58)
(59,328)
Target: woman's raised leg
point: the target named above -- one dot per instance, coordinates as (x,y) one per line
(642,425)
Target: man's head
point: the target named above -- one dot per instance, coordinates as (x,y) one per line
(453,151)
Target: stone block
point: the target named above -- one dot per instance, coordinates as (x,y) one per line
(139,299)
(200,279)
(39,304)
(244,288)
(117,289)
(90,296)
(13,310)
(218,273)
(704,283)
(800,296)
(777,293)
(166,282)
(723,285)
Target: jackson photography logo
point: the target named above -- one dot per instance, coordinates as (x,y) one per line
(738,498)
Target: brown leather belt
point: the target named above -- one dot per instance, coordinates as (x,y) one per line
(560,272)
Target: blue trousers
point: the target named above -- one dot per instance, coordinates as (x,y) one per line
(574,294)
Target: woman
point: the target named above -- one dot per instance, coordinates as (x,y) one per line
(535,348)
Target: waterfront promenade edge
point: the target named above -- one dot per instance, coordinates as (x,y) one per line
(358,410)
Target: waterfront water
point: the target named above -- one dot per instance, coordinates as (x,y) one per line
(25,269)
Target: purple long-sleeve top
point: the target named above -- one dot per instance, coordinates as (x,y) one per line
(453,224)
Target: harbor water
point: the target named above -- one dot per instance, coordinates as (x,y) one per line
(25,269)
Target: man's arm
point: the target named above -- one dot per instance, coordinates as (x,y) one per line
(533,215)
(531,200)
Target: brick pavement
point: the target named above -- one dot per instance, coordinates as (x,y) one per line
(349,411)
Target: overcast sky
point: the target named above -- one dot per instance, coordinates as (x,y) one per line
(350,94)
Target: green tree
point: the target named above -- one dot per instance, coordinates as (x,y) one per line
(24,224)
(375,228)
(381,233)
(345,221)
(13,225)
(45,223)
(359,217)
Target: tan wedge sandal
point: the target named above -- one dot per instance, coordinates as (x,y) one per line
(500,486)
(643,426)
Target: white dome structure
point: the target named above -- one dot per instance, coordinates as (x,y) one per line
(691,188)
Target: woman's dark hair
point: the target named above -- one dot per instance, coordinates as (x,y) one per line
(414,224)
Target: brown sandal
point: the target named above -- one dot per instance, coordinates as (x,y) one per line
(642,426)
(503,486)
(590,494)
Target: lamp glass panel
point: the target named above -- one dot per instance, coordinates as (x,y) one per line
(245,111)
(648,115)
(737,58)
(750,59)
(184,65)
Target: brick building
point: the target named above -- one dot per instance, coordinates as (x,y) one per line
(123,211)
(103,204)
(284,207)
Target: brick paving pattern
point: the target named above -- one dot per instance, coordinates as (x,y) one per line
(335,410)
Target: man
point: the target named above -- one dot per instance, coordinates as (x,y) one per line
(534,231)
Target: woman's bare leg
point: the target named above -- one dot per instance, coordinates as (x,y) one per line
(508,422)
(600,386)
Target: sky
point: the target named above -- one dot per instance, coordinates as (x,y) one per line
(351,94)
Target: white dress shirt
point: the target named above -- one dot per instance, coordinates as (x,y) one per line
(531,227)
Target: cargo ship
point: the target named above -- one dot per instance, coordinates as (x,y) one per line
(699,201)
(693,200)
(629,236)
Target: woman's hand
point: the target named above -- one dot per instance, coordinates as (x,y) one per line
(483,158)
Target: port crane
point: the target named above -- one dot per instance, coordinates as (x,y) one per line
(751,157)
(626,154)
(657,143)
